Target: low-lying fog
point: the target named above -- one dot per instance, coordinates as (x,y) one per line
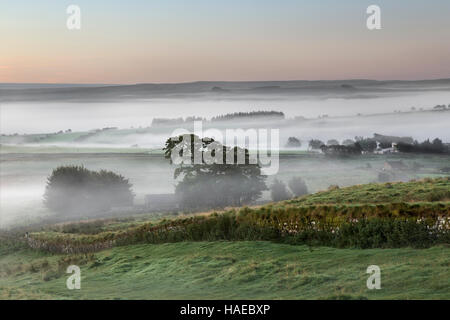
(43,117)
(23,176)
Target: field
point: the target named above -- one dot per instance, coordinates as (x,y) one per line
(147,263)
(229,270)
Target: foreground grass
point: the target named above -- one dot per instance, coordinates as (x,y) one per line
(229,270)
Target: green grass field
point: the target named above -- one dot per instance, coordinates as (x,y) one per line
(229,270)
(236,269)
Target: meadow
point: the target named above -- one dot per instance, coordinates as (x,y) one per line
(228,270)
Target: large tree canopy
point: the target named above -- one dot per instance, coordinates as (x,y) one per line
(212,183)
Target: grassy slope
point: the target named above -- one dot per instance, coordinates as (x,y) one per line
(421,190)
(245,270)
(236,270)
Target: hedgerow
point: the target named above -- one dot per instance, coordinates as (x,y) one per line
(359,225)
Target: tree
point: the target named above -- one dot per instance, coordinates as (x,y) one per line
(332,142)
(278,191)
(293,142)
(75,189)
(366,144)
(213,185)
(298,186)
(315,144)
(436,146)
(348,142)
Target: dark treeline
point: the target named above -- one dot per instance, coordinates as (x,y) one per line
(435,146)
(249,115)
(252,115)
(377,142)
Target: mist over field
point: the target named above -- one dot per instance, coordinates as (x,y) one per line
(24,176)
(48,109)
(127,143)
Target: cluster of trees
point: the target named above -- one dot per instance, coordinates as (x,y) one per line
(404,144)
(157,122)
(315,144)
(362,144)
(427,146)
(441,107)
(205,185)
(333,148)
(279,191)
(341,150)
(249,115)
(75,189)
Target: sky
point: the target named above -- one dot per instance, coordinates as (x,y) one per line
(142,41)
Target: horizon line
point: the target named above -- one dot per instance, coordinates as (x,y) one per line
(225,81)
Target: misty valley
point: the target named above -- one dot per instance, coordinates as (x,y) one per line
(91,176)
(24,176)
(317,149)
(202,154)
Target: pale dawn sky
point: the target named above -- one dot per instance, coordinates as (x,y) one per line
(138,41)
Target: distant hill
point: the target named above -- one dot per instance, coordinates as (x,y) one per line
(10,92)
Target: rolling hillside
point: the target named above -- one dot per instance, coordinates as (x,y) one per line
(143,267)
